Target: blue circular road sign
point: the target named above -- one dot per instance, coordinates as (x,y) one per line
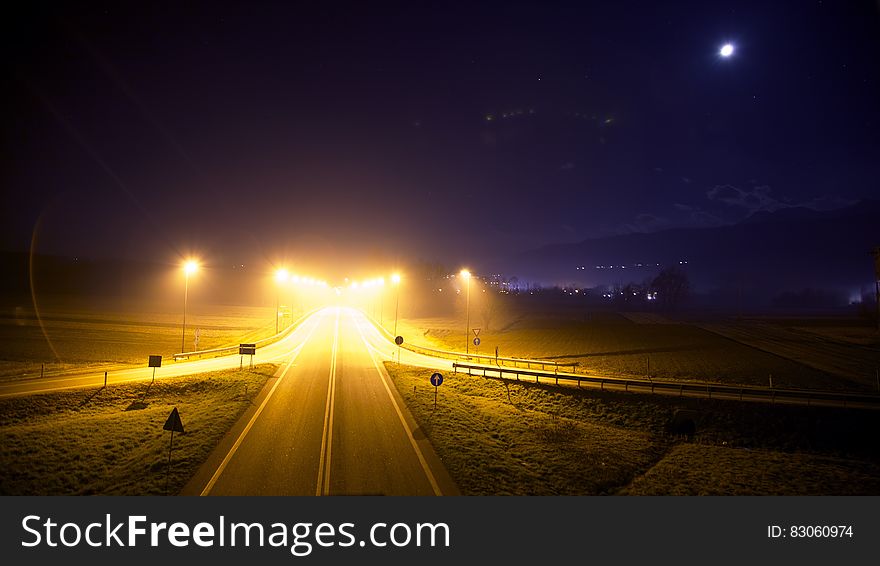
(436,379)
(476,341)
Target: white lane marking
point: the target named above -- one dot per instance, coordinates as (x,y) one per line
(412,440)
(254,418)
(323,484)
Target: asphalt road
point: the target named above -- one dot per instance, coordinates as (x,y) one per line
(329,423)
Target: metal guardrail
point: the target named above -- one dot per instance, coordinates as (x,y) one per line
(446,354)
(703,390)
(226,350)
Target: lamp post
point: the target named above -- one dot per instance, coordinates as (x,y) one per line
(280,277)
(396,280)
(381,305)
(189,268)
(467,276)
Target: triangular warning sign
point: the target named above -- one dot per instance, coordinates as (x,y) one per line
(173,422)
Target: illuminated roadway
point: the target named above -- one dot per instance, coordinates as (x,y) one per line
(330,423)
(278,352)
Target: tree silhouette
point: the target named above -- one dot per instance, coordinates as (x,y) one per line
(672,287)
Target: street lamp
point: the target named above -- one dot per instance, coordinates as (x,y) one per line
(189,268)
(396,280)
(467,334)
(281,276)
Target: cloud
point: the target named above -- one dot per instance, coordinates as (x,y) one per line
(753,200)
(759,198)
(828,202)
(644,223)
(697,217)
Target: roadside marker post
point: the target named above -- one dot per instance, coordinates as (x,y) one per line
(174,424)
(398,340)
(436,381)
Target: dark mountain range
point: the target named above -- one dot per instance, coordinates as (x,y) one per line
(791,249)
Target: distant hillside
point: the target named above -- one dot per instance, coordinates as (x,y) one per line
(770,252)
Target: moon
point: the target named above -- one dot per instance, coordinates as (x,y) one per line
(726,50)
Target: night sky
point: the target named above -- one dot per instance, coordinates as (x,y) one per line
(447,133)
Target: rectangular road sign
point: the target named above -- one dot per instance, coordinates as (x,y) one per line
(155,362)
(247,349)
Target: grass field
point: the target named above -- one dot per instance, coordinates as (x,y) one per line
(608,343)
(91,441)
(525,439)
(69,336)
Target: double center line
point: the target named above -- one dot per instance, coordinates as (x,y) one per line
(323,483)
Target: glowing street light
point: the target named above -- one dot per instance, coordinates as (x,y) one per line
(726,50)
(190,267)
(395,278)
(467,333)
(281,276)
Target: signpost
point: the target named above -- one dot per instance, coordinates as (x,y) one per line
(246,350)
(477,345)
(154,362)
(436,381)
(173,424)
(398,340)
